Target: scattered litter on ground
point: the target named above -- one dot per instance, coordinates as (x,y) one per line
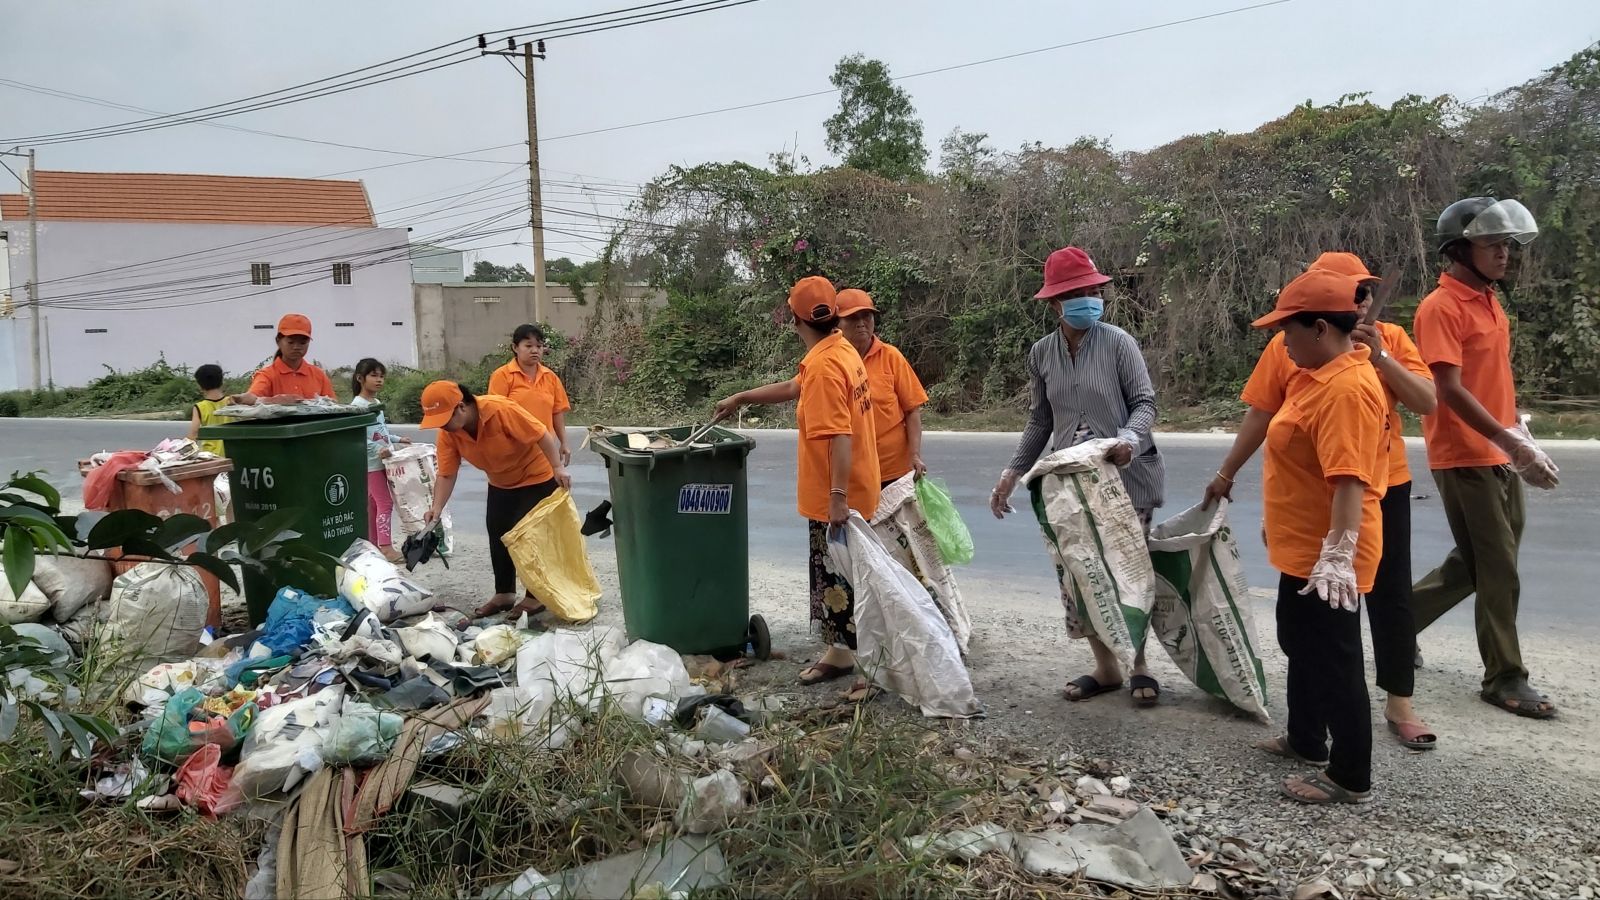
(689,865)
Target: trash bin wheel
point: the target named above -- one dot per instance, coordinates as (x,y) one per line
(759,638)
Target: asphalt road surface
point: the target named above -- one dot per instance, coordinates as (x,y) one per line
(1562,525)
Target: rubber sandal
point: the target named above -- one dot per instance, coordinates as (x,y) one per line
(1331,793)
(1279,746)
(1145,683)
(1413,735)
(1088,687)
(1526,701)
(825,672)
(860,692)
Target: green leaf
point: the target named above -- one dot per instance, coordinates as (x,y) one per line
(145,547)
(181,529)
(97,726)
(80,736)
(121,526)
(52,726)
(27,514)
(33,484)
(269,529)
(217,567)
(221,537)
(17,557)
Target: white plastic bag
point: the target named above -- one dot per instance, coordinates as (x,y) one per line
(497,644)
(569,662)
(30,607)
(432,638)
(71,583)
(902,640)
(1098,545)
(157,611)
(285,744)
(412,472)
(1202,607)
(643,671)
(369,581)
(903,528)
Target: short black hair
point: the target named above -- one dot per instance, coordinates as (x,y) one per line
(1342,322)
(524,332)
(1363,291)
(209,377)
(467,396)
(363,369)
(821,326)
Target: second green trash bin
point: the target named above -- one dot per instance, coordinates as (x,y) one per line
(681,523)
(317,464)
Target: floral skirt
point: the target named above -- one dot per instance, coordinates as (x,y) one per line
(833,603)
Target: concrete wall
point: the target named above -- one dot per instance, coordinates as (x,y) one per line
(123,294)
(462,323)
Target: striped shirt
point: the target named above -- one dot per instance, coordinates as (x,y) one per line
(1104,392)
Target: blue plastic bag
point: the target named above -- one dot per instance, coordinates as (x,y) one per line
(290,619)
(949,532)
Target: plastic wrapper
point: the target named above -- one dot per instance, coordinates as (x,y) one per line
(431,638)
(361,736)
(291,619)
(548,549)
(902,640)
(643,671)
(944,522)
(497,644)
(203,783)
(370,581)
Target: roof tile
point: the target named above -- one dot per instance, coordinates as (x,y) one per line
(218,199)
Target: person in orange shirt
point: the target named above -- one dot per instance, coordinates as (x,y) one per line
(897,393)
(518,455)
(533,385)
(1478,449)
(838,461)
(1323,479)
(289,378)
(1405,381)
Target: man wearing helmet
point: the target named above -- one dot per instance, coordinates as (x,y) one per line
(1478,449)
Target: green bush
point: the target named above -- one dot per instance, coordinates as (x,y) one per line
(9,407)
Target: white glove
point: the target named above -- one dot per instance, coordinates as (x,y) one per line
(1000,498)
(1527,460)
(1334,575)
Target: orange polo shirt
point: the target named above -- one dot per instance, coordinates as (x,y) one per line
(506,448)
(1276,376)
(543,395)
(896,391)
(1332,424)
(276,379)
(1458,326)
(835,400)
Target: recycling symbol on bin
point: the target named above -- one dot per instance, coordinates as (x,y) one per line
(336,490)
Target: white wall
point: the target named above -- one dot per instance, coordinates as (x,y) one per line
(197,304)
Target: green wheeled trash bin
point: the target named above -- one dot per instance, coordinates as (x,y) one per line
(681,522)
(316,464)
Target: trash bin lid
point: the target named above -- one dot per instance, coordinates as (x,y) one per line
(287,427)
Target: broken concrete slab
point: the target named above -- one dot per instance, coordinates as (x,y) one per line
(1120,807)
(689,864)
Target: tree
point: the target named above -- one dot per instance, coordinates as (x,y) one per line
(483,270)
(966,153)
(876,128)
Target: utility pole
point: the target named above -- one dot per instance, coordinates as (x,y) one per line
(531,50)
(31,286)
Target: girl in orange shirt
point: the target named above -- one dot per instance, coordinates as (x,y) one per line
(289,378)
(1325,472)
(838,461)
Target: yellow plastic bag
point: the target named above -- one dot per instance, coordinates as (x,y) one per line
(551,560)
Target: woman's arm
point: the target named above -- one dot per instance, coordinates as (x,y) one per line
(766,395)
(1035,436)
(1252,431)
(443,487)
(558,424)
(914,441)
(552,452)
(839,480)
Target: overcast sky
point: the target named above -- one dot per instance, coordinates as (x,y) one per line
(1139,90)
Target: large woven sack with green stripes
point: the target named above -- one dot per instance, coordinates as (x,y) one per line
(1097,543)
(1202,612)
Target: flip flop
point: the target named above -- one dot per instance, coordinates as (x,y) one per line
(1145,683)
(1331,793)
(1088,687)
(1413,735)
(1279,746)
(1519,699)
(825,672)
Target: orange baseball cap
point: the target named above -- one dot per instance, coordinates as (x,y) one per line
(1316,290)
(294,324)
(813,299)
(1345,264)
(439,402)
(854,300)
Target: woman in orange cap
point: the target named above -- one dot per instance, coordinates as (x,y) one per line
(1090,381)
(838,460)
(1406,380)
(897,393)
(519,456)
(289,377)
(533,385)
(1324,475)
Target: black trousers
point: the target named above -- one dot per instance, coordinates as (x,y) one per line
(1327,684)
(1394,627)
(507,507)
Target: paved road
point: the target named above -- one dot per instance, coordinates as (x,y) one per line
(1562,526)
